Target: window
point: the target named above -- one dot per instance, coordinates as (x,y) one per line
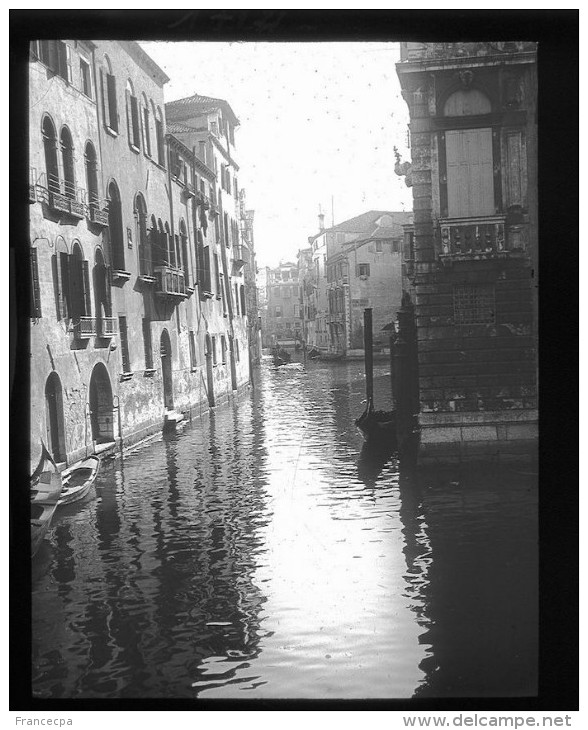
(363,270)
(297,311)
(102,293)
(124,344)
(85,78)
(217,276)
(79,284)
(237,354)
(143,240)
(56,55)
(243,310)
(214,350)
(91,175)
(192,342)
(184,252)
(50,148)
(470,177)
(35,287)
(115,227)
(379,246)
(159,138)
(146,128)
(171,249)
(286,292)
(67,160)
(223,349)
(237,298)
(474,304)
(132,117)
(60,266)
(147,344)
(278,311)
(109,104)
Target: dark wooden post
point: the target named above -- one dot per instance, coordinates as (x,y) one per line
(369,355)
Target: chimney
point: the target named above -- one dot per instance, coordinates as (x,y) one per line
(321,218)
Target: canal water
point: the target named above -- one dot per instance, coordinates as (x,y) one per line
(261,552)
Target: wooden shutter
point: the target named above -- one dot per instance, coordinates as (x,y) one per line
(64,288)
(146,131)
(135,121)
(86,289)
(470,182)
(35,287)
(107,291)
(112,110)
(104,95)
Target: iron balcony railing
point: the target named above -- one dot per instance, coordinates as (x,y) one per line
(169,281)
(97,210)
(61,195)
(84,327)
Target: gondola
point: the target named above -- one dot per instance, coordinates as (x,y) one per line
(46,488)
(281,356)
(78,482)
(376,427)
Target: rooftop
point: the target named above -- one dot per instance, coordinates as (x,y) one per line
(196,105)
(366,225)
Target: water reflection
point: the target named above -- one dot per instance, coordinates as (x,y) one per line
(265,552)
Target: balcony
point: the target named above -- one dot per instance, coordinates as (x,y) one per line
(480,238)
(106,327)
(84,328)
(98,215)
(187,190)
(241,255)
(32,185)
(411,51)
(170,282)
(61,196)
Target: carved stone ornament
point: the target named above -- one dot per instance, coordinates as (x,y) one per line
(466,77)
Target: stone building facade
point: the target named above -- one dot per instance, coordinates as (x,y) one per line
(472,255)
(282,320)
(130,331)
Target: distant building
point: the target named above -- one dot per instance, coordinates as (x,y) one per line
(471,257)
(355,264)
(282,322)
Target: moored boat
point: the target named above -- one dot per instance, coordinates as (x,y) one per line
(46,488)
(78,481)
(376,427)
(281,356)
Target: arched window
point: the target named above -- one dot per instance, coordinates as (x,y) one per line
(67,159)
(133,127)
(161,244)
(50,148)
(60,267)
(115,226)
(159,137)
(91,163)
(156,251)
(54,417)
(469,172)
(109,102)
(171,249)
(102,294)
(79,284)
(146,127)
(144,242)
(184,252)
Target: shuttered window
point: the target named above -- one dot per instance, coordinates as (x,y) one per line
(35,287)
(147,344)
(124,344)
(134,131)
(470,183)
(112,119)
(159,135)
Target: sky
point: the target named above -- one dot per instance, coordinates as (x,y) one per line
(318,126)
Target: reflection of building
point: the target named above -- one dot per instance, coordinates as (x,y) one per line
(128,310)
(473,266)
(355,264)
(283,305)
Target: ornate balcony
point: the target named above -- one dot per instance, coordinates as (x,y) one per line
(98,215)
(106,327)
(61,196)
(411,51)
(84,328)
(169,282)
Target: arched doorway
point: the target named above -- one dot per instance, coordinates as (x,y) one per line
(166,370)
(209,371)
(101,410)
(54,417)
